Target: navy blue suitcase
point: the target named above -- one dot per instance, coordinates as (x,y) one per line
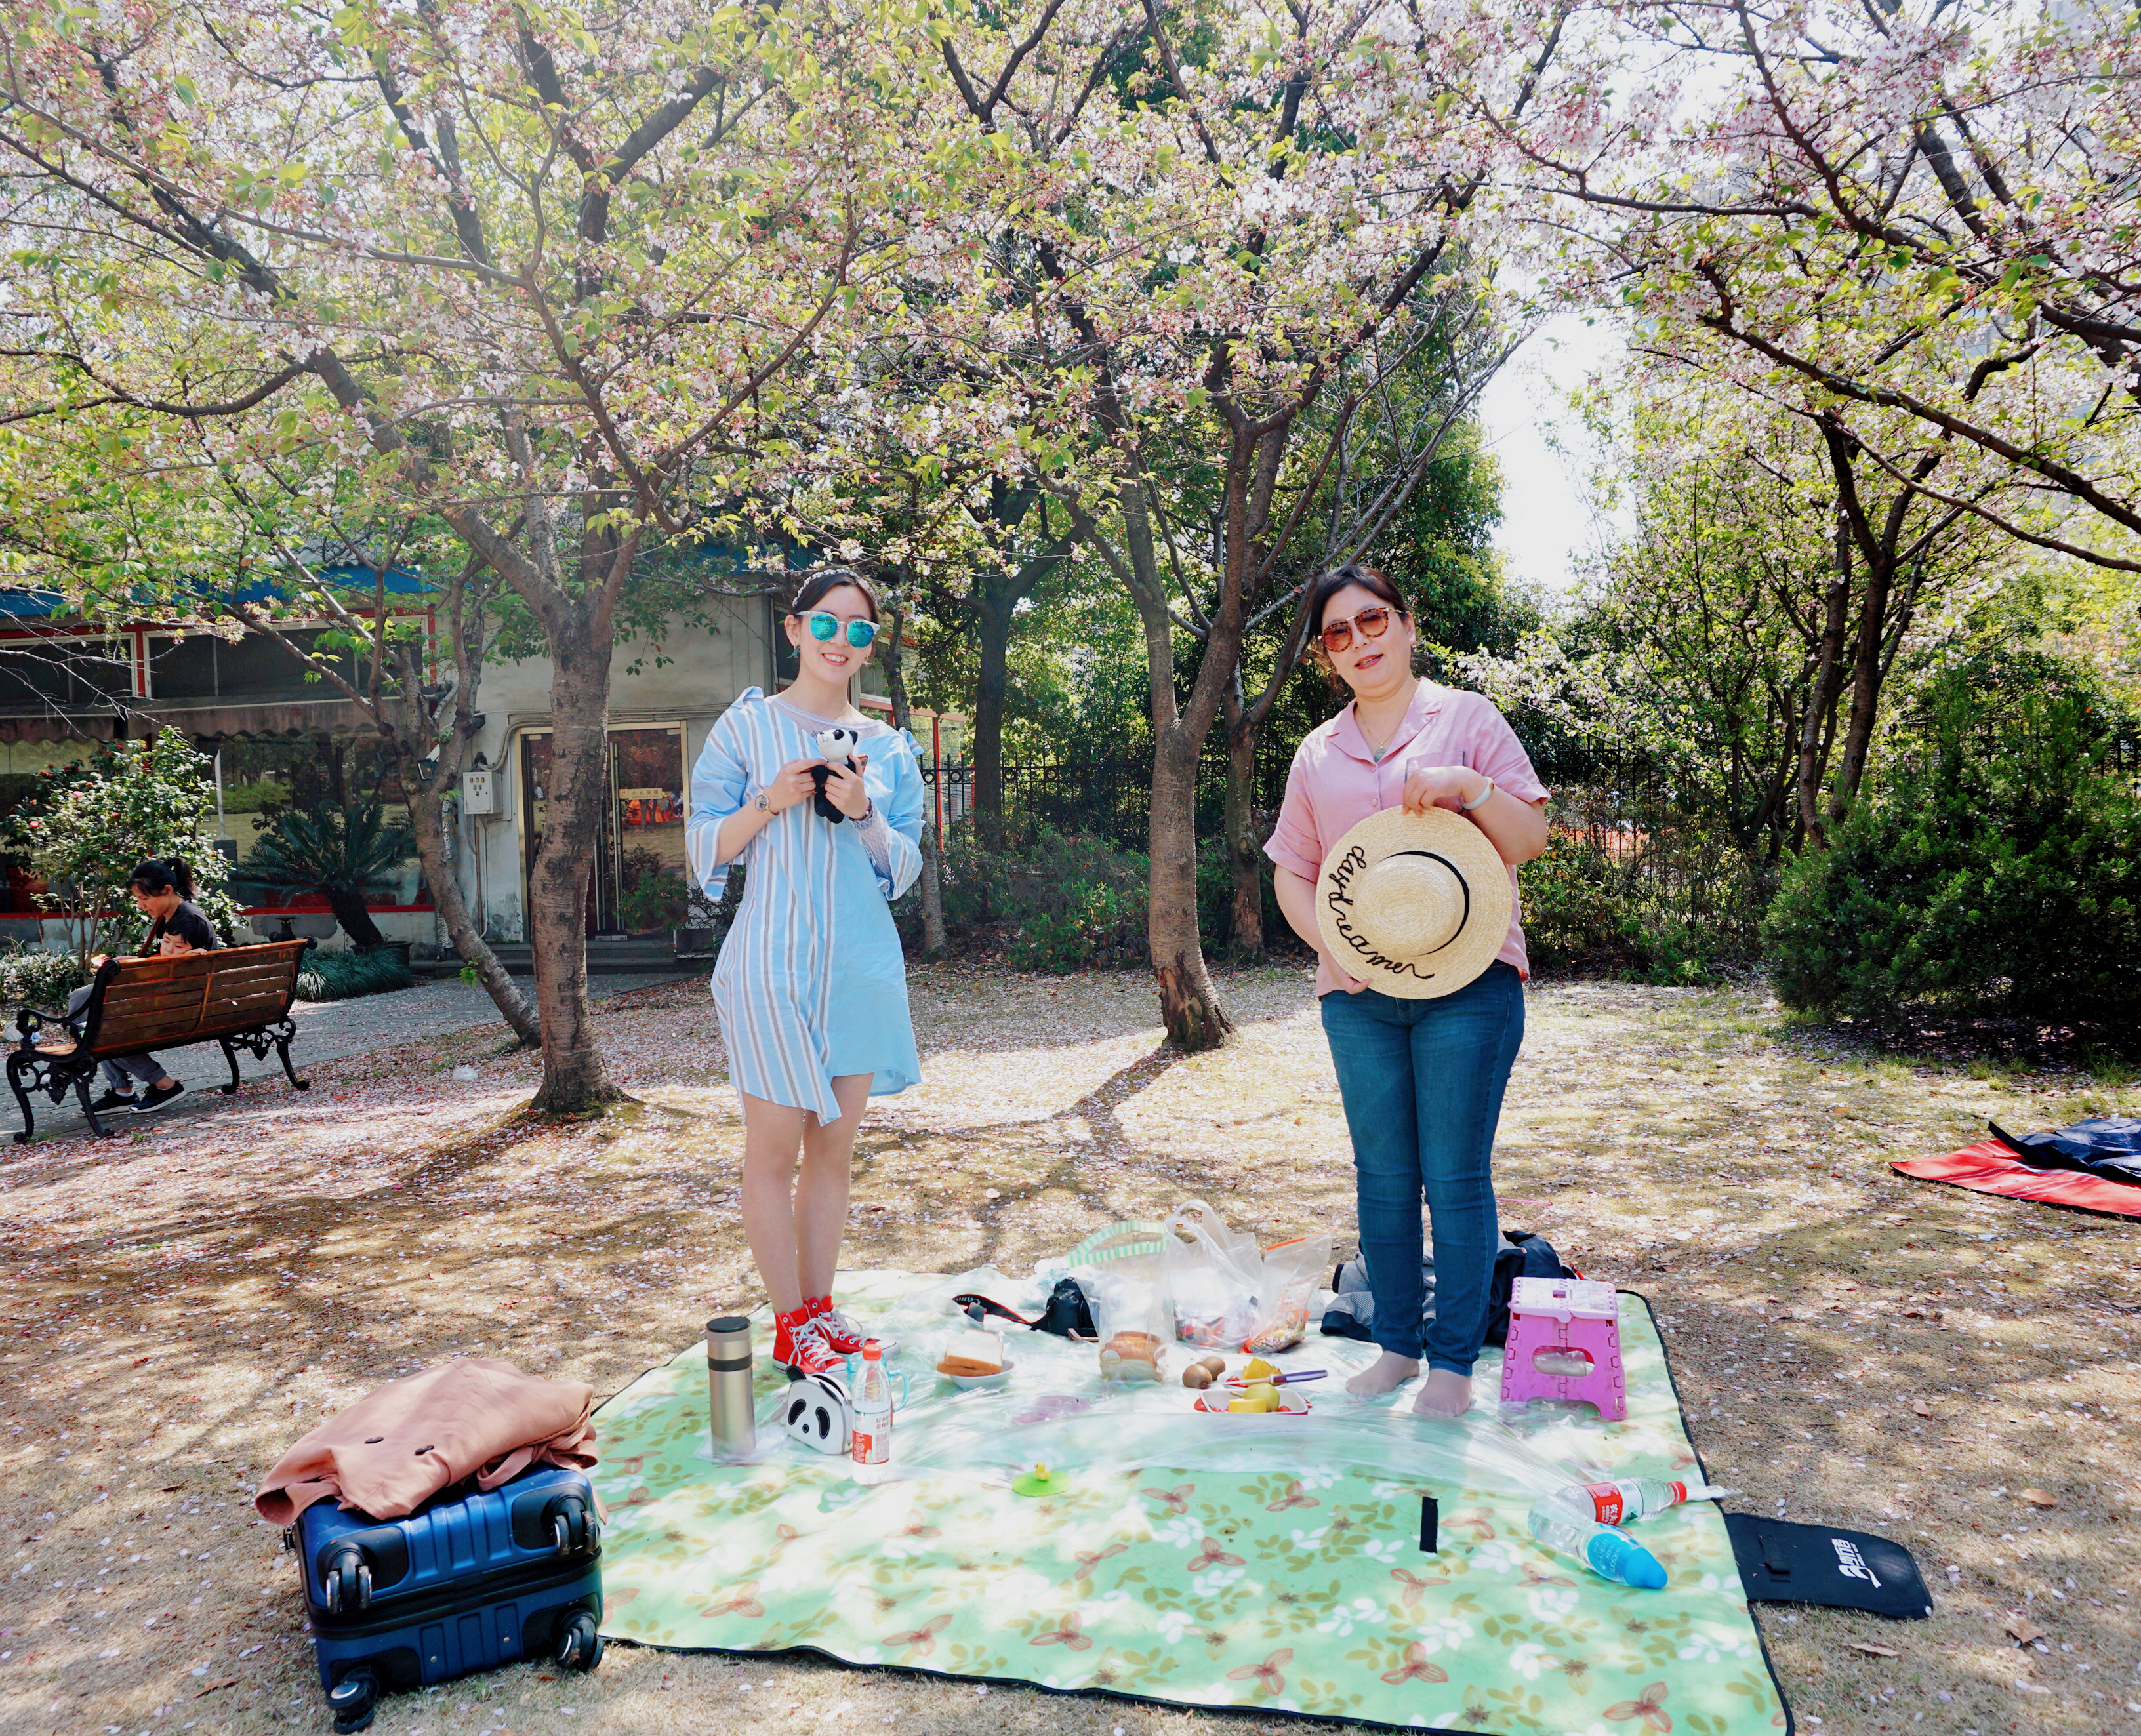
(464,1584)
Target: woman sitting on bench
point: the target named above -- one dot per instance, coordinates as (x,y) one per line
(163,888)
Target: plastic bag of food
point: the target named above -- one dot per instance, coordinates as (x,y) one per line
(1286,1293)
(1211,1278)
(1130,1312)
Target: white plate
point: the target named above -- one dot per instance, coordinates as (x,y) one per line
(968,1383)
(1291,1403)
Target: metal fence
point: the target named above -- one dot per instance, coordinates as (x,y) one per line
(1110,797)
(1637,813)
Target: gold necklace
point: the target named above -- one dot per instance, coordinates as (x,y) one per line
(1375,748)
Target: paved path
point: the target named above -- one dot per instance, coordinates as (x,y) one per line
(327,1031)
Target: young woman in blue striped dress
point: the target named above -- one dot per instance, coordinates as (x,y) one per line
(810,985)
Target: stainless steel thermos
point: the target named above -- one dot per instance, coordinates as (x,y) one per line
(728,1386)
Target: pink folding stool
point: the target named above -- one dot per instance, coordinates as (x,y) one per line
(1565,1315)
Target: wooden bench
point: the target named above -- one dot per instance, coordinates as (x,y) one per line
(239,996)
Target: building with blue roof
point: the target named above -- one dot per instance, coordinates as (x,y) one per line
(282,737)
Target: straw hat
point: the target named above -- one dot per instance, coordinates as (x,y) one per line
(1415,905)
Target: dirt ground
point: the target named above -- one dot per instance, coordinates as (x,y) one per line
(1956,1371)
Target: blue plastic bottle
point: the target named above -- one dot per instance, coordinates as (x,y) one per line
(1558,1524)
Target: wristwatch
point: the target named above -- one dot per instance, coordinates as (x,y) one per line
(762,804)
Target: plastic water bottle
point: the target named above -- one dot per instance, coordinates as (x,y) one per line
(870,1443)
(1615,1503)
(1609,1553)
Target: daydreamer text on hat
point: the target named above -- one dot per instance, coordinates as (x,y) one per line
(1415,905)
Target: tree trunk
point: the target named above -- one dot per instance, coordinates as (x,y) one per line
(1821,698)
(574,1078)
(1866,672)
(427,820)
(933,892)
(1245,941)
(992,620)
(1188,1004)
(349,911)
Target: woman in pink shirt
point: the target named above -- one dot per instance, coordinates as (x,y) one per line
(1422,1080)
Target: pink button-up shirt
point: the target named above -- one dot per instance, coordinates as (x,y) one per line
(1336,782)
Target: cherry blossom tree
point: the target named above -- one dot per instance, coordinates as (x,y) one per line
(557,276)
(1198,240)
(1909,222)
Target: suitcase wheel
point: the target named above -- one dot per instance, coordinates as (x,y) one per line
(573,1528)
(579,1644)
(348,1585)
(353,1700)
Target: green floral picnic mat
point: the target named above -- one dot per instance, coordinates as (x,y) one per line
(1264,1570)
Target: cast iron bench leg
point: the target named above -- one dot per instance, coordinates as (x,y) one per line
(283,1049)
(230,1054)
(82,1092)
(23,1097)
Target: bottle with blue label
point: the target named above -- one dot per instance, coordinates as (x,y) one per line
(1579,1519)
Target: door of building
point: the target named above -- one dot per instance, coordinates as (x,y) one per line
(639,883)
(648,879)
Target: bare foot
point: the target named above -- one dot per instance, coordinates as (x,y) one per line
(1387,1373)
(1445,1395)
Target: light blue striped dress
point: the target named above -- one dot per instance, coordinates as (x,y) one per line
(811,984)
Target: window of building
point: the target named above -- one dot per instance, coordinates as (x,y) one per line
(200,666)
(64,671)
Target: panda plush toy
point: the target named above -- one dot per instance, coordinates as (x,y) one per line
(837,745)
(817,1412)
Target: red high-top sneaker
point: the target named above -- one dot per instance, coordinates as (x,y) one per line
(841,1333)
(799,1345)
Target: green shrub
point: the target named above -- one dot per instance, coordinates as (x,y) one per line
(344,975)
(1661,915)
(1998,863)
(30,976)
(655,897)
(267,793)
(86,823)
(1063,902)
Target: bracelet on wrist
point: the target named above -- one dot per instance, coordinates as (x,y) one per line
(1482,799)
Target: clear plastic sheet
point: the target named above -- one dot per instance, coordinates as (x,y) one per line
(1006,1434)
(1055,1408)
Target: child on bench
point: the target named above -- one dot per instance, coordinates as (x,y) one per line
(163,887)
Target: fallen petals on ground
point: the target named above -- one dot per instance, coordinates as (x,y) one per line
(185,1299)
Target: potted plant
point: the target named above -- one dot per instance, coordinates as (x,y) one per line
(345,855)
(654,897)
(708,921)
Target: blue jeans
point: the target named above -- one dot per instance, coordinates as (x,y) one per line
(1422,1082)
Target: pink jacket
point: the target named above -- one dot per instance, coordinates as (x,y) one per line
(1336,783)
(394,1449)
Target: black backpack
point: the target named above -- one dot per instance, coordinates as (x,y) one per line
(1527,1256)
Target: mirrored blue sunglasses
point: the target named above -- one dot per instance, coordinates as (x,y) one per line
(823,624)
